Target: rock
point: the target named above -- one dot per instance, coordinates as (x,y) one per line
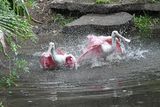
(89,6)
(155,30)
(99,23)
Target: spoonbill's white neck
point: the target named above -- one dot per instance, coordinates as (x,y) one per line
(113,35)
(50,47)
(59,59)
(53,49)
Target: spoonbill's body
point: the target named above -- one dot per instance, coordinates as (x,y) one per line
(102,46)
(46,60)
(63,59)
(56,58)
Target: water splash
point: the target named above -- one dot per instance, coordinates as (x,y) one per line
(132,53)
(136,53)
(76,49)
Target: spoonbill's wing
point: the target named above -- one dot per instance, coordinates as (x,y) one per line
(108,39)
(93,41)
(47,61)
(70,61)
(94,51)
(60,51)
(118,44)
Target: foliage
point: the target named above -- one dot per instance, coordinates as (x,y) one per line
(103,1)
(154,1)
(9,80)
(143,23)
(14,22)
(1,104)
(62,20)
(14,26)
(21,7)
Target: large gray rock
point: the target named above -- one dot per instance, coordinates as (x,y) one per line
(98,23)
(89,6)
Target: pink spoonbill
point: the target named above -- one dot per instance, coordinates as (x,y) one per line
(56,58)
(63,59)
(46,60)
(102,46)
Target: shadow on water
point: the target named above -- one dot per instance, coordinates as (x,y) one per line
(130,82)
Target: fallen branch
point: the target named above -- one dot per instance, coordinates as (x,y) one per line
(36,20)
(3,42)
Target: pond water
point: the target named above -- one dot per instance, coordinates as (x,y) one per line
(133,81)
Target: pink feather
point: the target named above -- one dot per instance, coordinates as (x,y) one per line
(93,48)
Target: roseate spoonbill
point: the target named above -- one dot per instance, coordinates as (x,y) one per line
(115,42)
(102,46)
(63,59)
(46,60)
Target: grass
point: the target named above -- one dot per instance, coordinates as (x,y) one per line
(143,23)
(62,20)
(103,1)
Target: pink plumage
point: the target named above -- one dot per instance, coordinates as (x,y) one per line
(47,62)
(70,62)
(60,51)
(93,48)
(118,47)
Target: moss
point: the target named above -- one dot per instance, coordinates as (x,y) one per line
(103,1)
(154,1)
(62,20)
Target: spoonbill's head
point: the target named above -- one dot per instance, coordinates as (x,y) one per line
(51,44)
(116,34)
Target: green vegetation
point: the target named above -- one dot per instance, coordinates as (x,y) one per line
(9,80)
(143,23)
(15,26)
(62,20)
(14,23)
(103,1)
(1,104)
(154,1)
